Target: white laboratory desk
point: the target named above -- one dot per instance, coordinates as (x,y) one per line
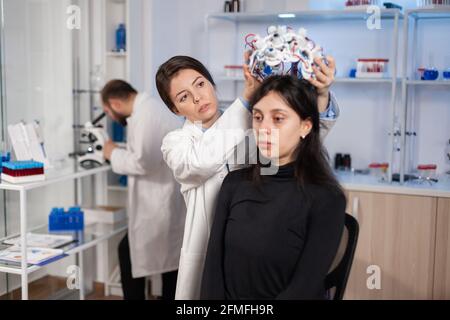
(358,182)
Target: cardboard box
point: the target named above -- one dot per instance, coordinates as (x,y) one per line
(104,214)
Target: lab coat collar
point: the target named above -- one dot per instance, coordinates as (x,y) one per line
(198,127)
(138,102)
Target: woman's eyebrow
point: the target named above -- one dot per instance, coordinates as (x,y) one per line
(199,77)
(192,84)
(278,110)
(180,93)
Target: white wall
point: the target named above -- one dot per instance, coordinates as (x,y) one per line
(362,130)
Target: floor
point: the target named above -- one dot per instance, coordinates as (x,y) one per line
(48,286)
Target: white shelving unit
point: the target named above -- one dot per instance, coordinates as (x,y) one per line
(409,84)
(116,66)
(315,15)
(93,235)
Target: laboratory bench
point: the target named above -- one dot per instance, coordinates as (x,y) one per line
(360,182)
(404,238)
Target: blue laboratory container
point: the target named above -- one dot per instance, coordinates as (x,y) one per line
(123,181)
(121,38)
(446,74)
(118,132)
(60,220)
(4,157)
(430,74)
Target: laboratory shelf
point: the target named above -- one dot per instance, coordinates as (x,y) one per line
(428,83)
(311,15)
(52,176)
(92,235)
(337,80)
(66,171)
(117,188)
(429,13)
(117,54)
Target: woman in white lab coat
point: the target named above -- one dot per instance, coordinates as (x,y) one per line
(198,152)
(156,210)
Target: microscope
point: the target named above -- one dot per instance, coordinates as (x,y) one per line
(95,136)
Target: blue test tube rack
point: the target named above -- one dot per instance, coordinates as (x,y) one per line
(4,157)
(60,220)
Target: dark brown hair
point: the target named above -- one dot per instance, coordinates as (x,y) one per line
(117,89)
(170,69)
(311,159)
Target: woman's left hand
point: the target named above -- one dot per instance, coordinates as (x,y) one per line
(324,79)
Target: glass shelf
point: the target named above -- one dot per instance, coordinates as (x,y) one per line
(304,15)
(337,80)
(92,235)
(69,171)
(429,13)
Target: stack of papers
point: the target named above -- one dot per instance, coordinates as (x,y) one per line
(49,241)
(35,256)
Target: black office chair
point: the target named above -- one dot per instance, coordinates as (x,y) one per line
(338,277)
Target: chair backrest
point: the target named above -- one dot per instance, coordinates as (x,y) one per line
(338,277)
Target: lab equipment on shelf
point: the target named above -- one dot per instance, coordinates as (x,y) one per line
(236,6)
(27,142)
(446,74)
(379,170)
(433,3)
(360,4)
(121,36)
(95,137)
(23,171)
(71,220)
(427,171)
(390,5)
(123,181)
(103,214)
(448,151)
(343,162)
(118,132)
(372,68)
(4,157)
(233,71)
(283,52)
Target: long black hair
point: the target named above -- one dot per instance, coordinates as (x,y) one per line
(311,159)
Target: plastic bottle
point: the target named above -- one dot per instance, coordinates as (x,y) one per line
(121,36)
(448,152)
(236,6)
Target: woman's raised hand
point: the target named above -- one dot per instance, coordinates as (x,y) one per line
(251,83)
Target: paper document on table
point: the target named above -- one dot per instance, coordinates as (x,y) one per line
(42,240)
(35,256)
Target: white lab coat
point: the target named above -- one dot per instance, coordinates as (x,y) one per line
(156,210)
(184,151)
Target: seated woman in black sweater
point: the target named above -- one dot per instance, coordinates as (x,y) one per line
(275,236)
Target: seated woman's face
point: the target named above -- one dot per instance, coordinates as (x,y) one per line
(278,128)
(194,97)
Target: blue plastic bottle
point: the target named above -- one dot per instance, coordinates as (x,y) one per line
(121,38)
(118,132)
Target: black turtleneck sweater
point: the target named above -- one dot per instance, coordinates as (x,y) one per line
(272,240)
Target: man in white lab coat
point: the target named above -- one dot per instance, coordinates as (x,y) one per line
(156,210)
